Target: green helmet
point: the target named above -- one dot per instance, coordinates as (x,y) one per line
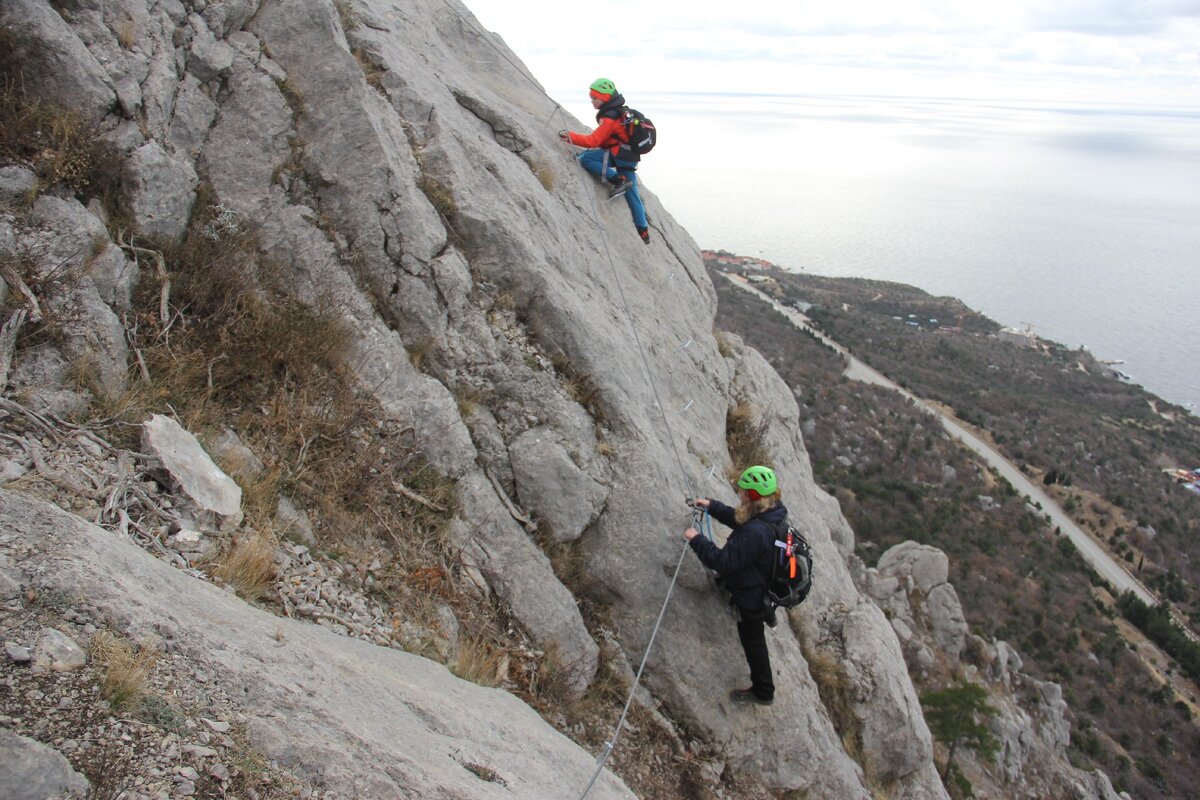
(760,479)
(603,86)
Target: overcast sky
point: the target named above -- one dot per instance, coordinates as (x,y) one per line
(1138,51)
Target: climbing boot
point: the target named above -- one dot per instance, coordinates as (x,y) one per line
(619,186)
(645,234)
(746,696)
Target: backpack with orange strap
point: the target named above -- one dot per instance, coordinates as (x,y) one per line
(791,569)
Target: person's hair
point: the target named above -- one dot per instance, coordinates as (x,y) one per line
(751,508)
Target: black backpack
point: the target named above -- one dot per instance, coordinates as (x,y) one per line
(640,131)
(791,569)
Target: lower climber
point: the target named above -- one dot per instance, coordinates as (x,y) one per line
(744,566)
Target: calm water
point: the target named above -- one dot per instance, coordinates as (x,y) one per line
(1083,222)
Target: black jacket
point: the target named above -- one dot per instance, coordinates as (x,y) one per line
(744,563)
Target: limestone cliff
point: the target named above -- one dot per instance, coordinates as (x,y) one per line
(400,167)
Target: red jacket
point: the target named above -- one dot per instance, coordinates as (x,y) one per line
(610,133)
(610,128)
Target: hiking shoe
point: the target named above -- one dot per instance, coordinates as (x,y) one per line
(620,185)
(746,696)
(645,234)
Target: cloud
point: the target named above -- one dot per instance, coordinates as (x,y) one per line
(1116,45)
(1109,17)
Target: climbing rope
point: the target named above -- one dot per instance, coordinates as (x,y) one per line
(700,516)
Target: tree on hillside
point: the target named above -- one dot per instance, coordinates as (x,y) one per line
(959,715)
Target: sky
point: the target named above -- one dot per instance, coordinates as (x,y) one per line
(1110,51)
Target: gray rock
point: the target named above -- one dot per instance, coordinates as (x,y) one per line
(91,336)
(552,487)
(57,652)
(11,470)
(59,68)
(114,276)
(10,583)
(240,461)
(17,654)
(16,185)
(293,524)
(192,117)
(212,497)
(161,192)
(39,379)
(33,771)
(209,58)
(521,575)
(927,566)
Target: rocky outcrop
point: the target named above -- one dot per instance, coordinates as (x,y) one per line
(1030,717)
(351,718)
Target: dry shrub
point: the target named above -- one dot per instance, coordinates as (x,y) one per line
(126,31)
(745,436)
(544,173)
(480,661)
(580,386)
(371,70)
(347,14)
(724,345)
(61,146)
(835,690)
(440,196)
(551,684)
(126,667)
(248,566)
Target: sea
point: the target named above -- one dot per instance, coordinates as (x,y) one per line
(1077,221)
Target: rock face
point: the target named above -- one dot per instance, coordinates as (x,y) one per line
(401,174)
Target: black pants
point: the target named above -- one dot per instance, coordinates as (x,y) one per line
(754,642)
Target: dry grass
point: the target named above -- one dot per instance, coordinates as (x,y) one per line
(724,346)
(248,565)
(348,15)
(371,70)
(61,146)
(292,96)
(580,386)
(835,690)
(745,436)
(544,173)
(127,669)
(126,31)
(440,196)
(551,684)
(480,661)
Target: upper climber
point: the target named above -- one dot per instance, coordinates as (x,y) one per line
(609,155)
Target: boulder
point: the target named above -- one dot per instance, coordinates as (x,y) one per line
(209,495)
(58,67)
(559,494)
(161,192)
(57,652)
(33,771)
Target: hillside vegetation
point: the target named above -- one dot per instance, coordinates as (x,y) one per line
(898,477)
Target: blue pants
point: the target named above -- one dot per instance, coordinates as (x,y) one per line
(593,160)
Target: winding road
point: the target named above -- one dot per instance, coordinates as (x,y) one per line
(1112,571)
